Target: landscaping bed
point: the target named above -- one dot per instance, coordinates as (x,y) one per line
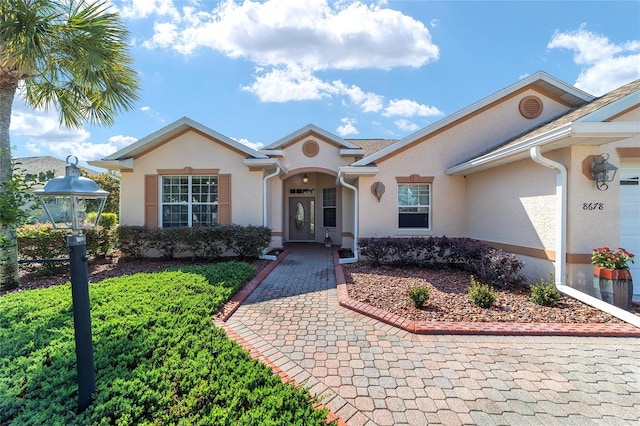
(385,287)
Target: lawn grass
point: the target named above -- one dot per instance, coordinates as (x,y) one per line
(159,359)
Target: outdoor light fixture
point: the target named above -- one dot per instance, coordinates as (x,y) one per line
(305,179)
(602,171)
(378,190)
(75,202)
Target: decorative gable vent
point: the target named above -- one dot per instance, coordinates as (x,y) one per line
(530,107)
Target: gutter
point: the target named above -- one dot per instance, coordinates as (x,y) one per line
(561,213)
(353,259)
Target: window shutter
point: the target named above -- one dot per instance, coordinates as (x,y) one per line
(151,201)
(224,199)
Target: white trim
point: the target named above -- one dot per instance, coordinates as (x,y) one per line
(616,107)
(356,203)
(561,213)
(551,136)
(310,128)
(178,126)
(620,129)
(539,76)
(264,195)
(601,305)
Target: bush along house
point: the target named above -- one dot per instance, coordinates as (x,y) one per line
(540,169)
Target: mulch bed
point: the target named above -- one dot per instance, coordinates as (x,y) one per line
(386,288)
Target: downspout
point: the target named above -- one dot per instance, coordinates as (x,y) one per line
(264,210)
(355,221)
(561,213)
(264,195)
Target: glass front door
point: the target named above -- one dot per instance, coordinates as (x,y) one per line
(302,222)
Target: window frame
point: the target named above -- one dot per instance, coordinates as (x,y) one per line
(333,207)
(428,206)
(190,201)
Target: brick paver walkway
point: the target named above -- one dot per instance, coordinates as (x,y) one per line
(370,373)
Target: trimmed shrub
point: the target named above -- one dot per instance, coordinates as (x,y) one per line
(492,265)
(41,241)
(418,295)
(159,358)
(133,240)
(246,242)
(204,242)
(545,293)
(482,295)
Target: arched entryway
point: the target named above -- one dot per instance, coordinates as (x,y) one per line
(312,206)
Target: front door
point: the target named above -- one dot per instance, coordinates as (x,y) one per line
(302,219)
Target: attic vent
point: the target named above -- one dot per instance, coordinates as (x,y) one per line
(530,107)
(310,148)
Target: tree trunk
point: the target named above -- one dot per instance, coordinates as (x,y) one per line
(8,244)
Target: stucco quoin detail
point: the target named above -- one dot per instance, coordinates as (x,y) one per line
(310,148)
(530,107)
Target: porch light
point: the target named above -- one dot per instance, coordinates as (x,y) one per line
(71,201)
(305,179)
(602,171)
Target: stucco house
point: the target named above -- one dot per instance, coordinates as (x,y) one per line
(513,170)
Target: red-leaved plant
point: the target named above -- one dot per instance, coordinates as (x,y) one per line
(611,259)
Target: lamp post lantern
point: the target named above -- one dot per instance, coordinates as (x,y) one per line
(75,202)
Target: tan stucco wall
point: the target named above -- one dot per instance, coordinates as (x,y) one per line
(450,208)
(514,204)
(194,150)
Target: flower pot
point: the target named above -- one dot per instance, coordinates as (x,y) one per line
(615,286)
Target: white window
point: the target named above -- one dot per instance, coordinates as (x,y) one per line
(414,206)
(329,216)
(189,201)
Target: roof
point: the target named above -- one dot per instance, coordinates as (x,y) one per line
(43,164)
(305,131)
(172,130)
(371,146)
(539,80)
(581,122)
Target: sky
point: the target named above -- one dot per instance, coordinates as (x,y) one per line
(257,71)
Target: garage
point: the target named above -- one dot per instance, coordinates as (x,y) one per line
(630,218)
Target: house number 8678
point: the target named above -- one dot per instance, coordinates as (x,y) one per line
(593,206)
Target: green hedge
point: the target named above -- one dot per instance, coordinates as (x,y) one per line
(492,265)
(246,242)
(159,358)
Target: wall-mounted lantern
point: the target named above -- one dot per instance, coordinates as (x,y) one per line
(602,171)
(71,201)
(305,179)
(377,189)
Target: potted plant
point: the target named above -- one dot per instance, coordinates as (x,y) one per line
(611,275)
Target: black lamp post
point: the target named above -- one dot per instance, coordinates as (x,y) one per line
(71,201)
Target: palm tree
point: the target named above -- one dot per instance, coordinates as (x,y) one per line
(71,55)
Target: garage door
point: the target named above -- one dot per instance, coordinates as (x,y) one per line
(630,218)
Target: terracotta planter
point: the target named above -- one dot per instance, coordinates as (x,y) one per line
(614,285)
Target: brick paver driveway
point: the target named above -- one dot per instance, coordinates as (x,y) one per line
(370,373)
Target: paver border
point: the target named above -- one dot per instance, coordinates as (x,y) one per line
(475,328)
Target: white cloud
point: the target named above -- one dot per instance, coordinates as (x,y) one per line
(253,145)
(311,33)
(409,108)
(288,84)
(43,135)
(295,83)
(348,127)
(152,113)
(606,65)
(136,9)
(405,125)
